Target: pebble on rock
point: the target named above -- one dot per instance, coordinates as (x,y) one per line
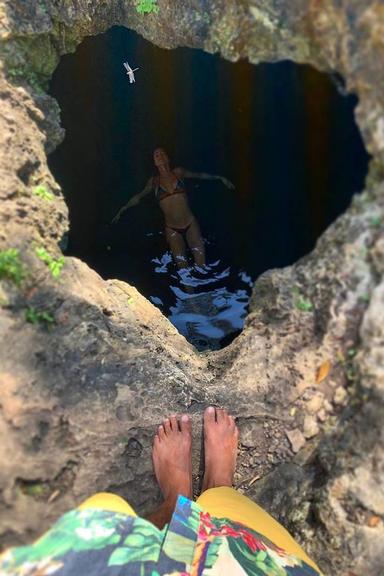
(296,439)
(311,427)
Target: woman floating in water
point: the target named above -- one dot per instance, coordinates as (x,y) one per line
(181,227)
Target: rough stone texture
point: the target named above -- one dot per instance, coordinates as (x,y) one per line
(80,401)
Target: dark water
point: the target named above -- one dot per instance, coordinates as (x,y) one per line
(281,132)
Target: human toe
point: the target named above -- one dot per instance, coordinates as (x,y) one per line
(209,415)
(167,426)
(185,423)
(174,423)
(222,416)
(161,432)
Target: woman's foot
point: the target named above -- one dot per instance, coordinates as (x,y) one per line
(221,437)
(172,458)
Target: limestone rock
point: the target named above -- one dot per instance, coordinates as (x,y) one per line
(80,403)
(322,415)
(296,439)
(315,403)
(311,427)
(340,395)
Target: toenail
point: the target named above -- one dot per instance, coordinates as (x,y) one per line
(210,409)
(185,418)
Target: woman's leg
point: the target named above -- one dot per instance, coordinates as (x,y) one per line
(177,245)
(219,499)
(196,243)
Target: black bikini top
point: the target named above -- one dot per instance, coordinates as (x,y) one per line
(161,193)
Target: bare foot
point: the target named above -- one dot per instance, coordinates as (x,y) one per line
(221,437)
(172,458)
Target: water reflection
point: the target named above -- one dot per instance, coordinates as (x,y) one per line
(202,307)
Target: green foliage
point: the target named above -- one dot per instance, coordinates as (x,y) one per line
(54,264)
(42,317)
(43,6)
(365,298)
(147,7)
(304,305)
(351,372)
(42,192)
(11,267)
(20,73)
(347,361)
(376,221)
(34,489)
(124,440)
(300,302)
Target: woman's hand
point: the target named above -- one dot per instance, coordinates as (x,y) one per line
(133,202)
(117,217)
(227,183)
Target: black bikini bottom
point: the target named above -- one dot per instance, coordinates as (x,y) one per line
(180,230)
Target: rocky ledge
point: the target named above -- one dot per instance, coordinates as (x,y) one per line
(88,367)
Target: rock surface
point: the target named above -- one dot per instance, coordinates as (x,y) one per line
(82,394)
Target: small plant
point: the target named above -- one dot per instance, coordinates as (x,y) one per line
(42,317)
(300,302)
(124,440)
(42,192)
(351,372)
(376,221)
(303,304)
(25,74)
(11,267)
(147,7)
(347,361)
(54,264)
(34,489)
(365,298)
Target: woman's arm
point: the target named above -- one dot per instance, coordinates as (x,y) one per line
(184,173)
(135,200)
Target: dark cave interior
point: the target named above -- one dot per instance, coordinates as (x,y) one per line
(283,133)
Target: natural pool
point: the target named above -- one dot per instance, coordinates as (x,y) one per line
(284,134)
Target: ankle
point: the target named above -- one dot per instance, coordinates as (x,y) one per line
(217,482)
(170,498)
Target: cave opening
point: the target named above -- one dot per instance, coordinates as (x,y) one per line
(284,134)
